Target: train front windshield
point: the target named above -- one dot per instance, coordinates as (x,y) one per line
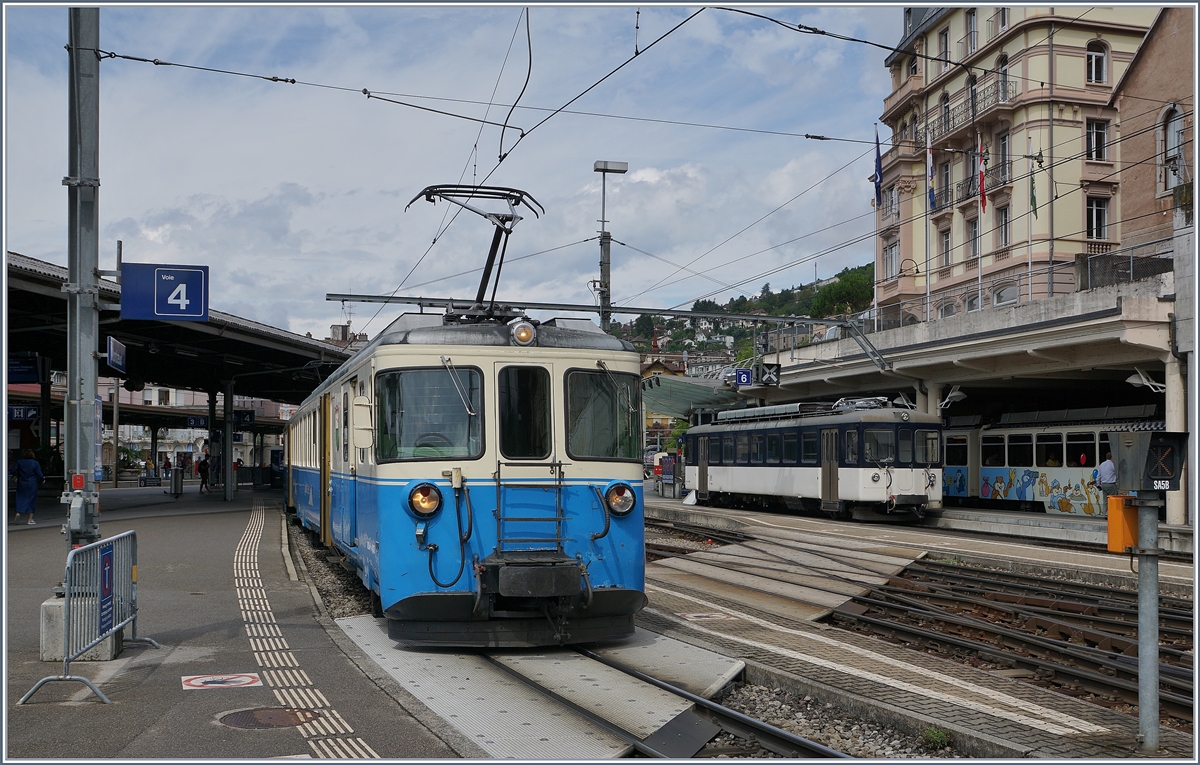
(428,414)
(604,416)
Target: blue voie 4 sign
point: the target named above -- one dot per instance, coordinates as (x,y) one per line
(156,291)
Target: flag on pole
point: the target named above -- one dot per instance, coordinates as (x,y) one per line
(982,190)
(878,177)
(929,164)
(1032,192)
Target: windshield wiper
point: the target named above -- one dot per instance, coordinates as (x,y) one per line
(458,386)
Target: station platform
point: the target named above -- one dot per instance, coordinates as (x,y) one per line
(242,641)
(986,713)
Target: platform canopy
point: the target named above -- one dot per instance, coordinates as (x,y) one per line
(680,396)
(263,361)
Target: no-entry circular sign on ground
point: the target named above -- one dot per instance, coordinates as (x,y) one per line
(233,680)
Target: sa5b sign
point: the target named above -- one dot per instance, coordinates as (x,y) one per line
(164,292)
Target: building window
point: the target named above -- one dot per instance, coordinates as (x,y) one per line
(1097,67)
(891,257)
(1002,76)
(1097,138)
(972,301)
(1172,141)
(1005,294)
(1002,168)
(943,48)
(973,94)
(907,21)
(973,237)
(1097,218)
(164,396)
(1002,235)
(949,308)
(946,179)
(971,39)
(903,132)
(945,113)
(912,67)
(945,251)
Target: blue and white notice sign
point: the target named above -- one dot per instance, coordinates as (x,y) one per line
(106,588)
(743,377)
(169,293)
(116,354)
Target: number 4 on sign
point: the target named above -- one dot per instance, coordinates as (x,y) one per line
(179,297)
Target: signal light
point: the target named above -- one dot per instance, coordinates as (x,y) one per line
(425,500)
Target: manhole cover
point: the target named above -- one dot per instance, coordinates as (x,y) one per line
(270,717)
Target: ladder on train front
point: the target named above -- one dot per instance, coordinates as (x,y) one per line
(520,527)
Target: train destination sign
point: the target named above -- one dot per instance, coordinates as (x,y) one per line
(164,292)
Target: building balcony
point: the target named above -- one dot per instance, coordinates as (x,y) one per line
(957,118)
(999,22)
(998,174)
(1098,246)
(968,45)
(966,189)
(895,104)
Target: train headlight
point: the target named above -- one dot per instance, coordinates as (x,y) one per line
(875,477)
(620,499)
(523,333)
(425,500)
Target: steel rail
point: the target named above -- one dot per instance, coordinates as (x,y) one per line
(767,736)
(1175,704)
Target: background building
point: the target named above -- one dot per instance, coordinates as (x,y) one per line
(1010,83)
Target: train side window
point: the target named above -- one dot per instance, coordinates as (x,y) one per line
(809,447)
(1105,449)
(956,450)
(879,446)
(991,451)
(790,452)
(743,449)
(904,451)
(727,450)
(773,448)
(1049,450)
(756,449)
(714,450)
(926,447)
(1081,450)
(851,447)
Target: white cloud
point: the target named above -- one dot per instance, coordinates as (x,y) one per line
(289,191)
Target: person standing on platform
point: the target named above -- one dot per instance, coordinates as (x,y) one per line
(1108,478)
(202,467)
(167,468)
(28,473)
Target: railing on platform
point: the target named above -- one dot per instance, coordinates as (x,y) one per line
(100,598)
(1105,266)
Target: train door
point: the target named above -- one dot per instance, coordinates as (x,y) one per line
(530,503)
(325,454)
(829,469)
(904,476)
(702,466)
(344,461)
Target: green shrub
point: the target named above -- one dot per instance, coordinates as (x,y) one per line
(935,738)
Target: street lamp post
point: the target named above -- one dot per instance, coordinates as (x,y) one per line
(604,168)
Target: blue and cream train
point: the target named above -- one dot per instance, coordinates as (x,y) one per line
(857,458)
(483,480)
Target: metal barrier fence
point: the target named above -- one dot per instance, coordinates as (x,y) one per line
(100,598)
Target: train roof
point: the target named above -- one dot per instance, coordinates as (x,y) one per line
(431,329)
(844,410)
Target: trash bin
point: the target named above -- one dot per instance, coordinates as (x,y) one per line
(177,482)
(1122,524)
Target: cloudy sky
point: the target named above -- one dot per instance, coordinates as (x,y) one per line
(291,191)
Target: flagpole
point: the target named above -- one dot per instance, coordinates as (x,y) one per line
(878,177)
(979,227)
(929,200)
(1029,215)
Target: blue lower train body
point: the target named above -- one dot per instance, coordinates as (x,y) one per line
(552,567)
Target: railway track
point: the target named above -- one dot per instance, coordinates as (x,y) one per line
(686,735)
(1076,638)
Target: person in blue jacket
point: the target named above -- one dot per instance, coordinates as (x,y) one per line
(29,475)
